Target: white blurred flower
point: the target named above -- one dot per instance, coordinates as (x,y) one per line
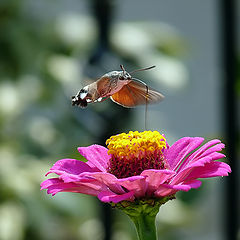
(29,87)
(169,71)
(162,34)
(120,235)
(12,221)
(65,69)
(42,131)
(91,229)
(74,29)
(9,98)
(9,167)
(130,39)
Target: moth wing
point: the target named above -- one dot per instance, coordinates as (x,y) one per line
(98,89)
(103,86)
(136,93)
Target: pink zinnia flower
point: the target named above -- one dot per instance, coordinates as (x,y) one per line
(138,166)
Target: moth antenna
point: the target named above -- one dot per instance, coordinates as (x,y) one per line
(123,69)
(142,69)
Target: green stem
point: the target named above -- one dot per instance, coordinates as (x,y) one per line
(145,226)
(143,213)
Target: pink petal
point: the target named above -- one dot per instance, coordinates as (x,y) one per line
(156,177)
(97,155)
(206,150)
(207,146)
(215,156)
(216,148)
(136,184)
(55,185)
(71,187)
(108,179)
(45,184)
(183,174)
(169,189)
(194,183)
(163,192)
(212,169)
(180,149)
(71,166)
(67,178)
(108,196)
(203,168)
(178,187)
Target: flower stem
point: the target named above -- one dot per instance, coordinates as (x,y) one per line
(143,213)
(145,226)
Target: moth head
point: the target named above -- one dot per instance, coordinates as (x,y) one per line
(124,76)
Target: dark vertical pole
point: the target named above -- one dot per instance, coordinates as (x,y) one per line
(228,29)
(102,11)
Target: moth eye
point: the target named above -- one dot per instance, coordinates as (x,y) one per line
(129,78)
(121,78)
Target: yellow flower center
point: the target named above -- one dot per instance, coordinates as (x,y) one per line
(136,151)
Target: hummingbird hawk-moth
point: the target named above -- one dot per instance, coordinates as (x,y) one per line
(120,87)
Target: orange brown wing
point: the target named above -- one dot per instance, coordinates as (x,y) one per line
(135,93)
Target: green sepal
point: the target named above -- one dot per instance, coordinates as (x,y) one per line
(143,213)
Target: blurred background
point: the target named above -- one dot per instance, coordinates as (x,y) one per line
(50,49)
